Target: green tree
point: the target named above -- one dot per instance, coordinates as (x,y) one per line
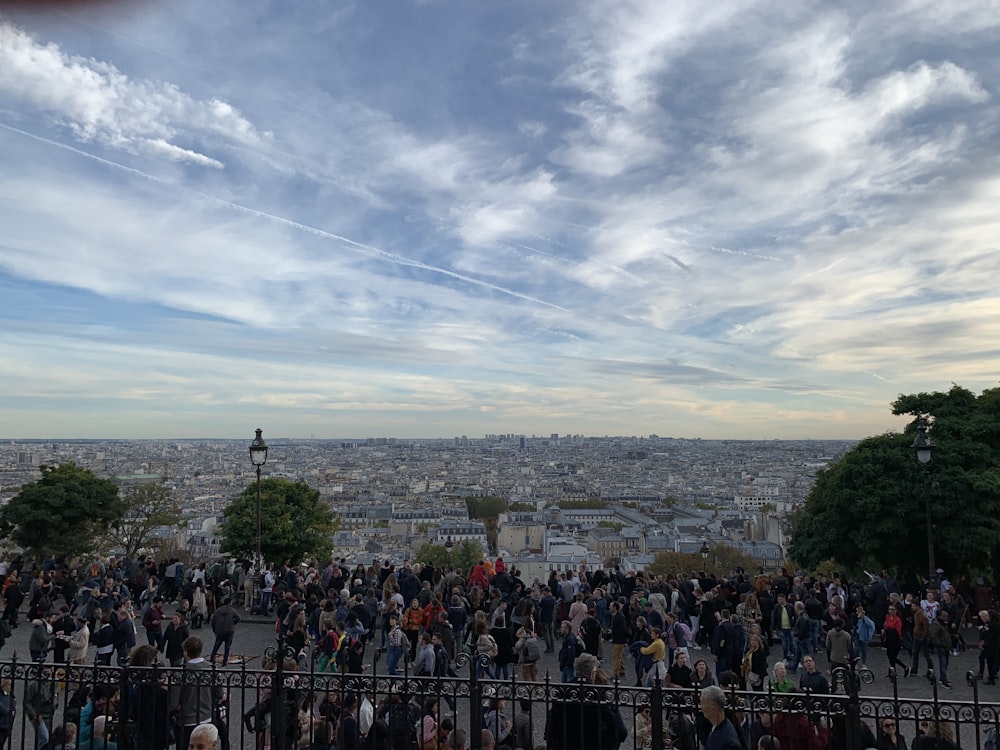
(722,560)
(63,513)
(436,554)
(485,507)
(295,522)
(465,554)
(520,507)
(146,507)
(868,509)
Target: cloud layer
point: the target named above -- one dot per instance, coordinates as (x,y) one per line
(443,219)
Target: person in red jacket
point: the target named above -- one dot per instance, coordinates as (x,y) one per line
(892,638)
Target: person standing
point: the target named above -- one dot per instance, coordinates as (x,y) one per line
(838,645)
(173,639)
(196,698)
(224,622)
(619,639)
(940,640)
(124,634)
(41,637)
(921,644)
(79,641)
(573,725)
(40,704)
(152,621)
(892,639)
(395,641)
(723,734)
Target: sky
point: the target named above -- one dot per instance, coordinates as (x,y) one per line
(441,218)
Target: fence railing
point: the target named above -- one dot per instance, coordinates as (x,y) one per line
(295,706)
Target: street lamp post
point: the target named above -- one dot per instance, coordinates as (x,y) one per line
(258,457)
(923,446)
(704,551)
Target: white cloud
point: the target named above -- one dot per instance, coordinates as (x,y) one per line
(100,103)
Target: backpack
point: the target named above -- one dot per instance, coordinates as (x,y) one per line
(577,645)
(531,651)
(344,651)
(328,643)
(682,634)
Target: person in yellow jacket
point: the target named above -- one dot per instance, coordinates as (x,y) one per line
(657,652)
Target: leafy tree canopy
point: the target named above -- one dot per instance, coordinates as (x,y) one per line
(485,507)
(868,509)
(63,513)
(145,508)
(295,523)
(436,554)
(722,560)
(463,555)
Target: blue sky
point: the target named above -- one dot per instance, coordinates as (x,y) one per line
(421,219)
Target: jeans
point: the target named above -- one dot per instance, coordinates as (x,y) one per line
(920,645)
(567,675)
(265,601)
(943,655)
(863,651)
(227,640)
(43,728)
(787,642)
(394,654)
(154,636)
(549,636)
(814,635)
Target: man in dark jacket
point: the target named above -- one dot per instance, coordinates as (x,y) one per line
(619,639)
(573,725)
(224,622)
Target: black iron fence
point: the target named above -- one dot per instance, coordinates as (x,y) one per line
(293,705)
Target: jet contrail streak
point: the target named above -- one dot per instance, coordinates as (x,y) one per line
(366,249)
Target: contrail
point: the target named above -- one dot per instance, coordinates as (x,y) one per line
(369,250)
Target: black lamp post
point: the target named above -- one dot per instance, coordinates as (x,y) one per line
(923,446)
(258,457)
(704,551)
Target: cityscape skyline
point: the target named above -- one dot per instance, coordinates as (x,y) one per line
(434,219)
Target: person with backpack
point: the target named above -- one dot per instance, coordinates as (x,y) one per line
(529,652)
(572,647)
(678,635)
(396,644)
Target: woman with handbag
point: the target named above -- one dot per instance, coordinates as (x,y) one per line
(754,666)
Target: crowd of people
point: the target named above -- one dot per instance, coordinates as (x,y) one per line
(753,632)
